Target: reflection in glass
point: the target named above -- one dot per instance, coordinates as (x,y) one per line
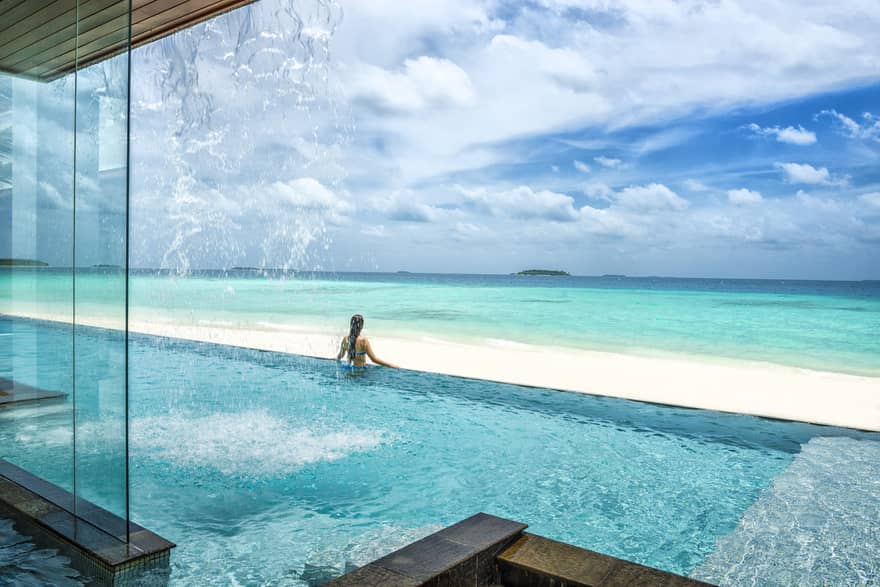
(63,262)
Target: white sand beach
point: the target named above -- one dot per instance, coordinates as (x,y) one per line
(761,389)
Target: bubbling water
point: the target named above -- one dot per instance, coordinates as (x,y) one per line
(251,444)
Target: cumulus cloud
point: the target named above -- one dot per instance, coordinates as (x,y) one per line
(650,197)
(871,199)
(405,207)
(607,161)
(423,82)
(598,191)
(565,67)
(307,193)
(791,135)
(523,203)
(805,173)
(744,197)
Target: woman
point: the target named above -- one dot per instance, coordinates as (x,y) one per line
(358,347)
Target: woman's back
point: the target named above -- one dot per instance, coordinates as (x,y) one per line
(357,356)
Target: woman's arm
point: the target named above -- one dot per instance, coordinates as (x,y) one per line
(376,359)
(343,346)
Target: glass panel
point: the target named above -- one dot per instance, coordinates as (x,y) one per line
(63,276)
(100,291)
(36,287)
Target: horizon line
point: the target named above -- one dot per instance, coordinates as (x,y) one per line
(448,273)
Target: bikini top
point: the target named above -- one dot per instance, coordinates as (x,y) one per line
(356,352)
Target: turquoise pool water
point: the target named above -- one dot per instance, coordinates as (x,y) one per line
(828,325)
(267,468)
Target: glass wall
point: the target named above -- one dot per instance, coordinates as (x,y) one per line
(63,250)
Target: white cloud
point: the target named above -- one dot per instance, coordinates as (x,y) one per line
(565,67)
(744,197)
(424,82)
(825,205)
(307,193)
(608,222)
(807,174)
(793,136)
(582,167)
(523,203)
(659,64)
(403,206)
(868,130)
(694,185)
(607,161)
(871,199)
(650,197)
(598,191)
(469,231)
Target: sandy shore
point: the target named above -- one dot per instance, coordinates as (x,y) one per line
(760,389)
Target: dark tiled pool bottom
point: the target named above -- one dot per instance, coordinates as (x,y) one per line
(485,550)
(40,510)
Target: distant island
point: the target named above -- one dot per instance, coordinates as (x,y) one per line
(106,266)
(614,275)
(543,272)
(22,263)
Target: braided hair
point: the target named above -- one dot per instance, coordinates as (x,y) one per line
(357,324)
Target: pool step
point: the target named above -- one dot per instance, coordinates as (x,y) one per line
(487,551)
(535,561)
(12,393)
(817,524)
(462,554)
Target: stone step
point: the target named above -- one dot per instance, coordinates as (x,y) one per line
(462,554)
(535,561)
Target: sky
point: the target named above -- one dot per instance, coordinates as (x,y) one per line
(716,138)
(723,138)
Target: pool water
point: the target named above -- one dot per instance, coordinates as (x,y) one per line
(24,565)
(271,469)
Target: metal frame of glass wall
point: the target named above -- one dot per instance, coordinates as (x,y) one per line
(64,199)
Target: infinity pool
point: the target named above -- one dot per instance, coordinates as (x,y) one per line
(271,469)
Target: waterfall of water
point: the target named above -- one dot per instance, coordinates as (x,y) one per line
(236,140)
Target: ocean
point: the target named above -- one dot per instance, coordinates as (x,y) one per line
(821,325)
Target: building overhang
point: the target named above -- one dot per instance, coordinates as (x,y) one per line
(41,39)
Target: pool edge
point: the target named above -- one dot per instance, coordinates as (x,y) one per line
(41,511)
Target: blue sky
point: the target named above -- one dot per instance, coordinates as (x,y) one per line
(695,138)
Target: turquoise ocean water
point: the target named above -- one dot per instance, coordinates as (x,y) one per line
(812,324)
